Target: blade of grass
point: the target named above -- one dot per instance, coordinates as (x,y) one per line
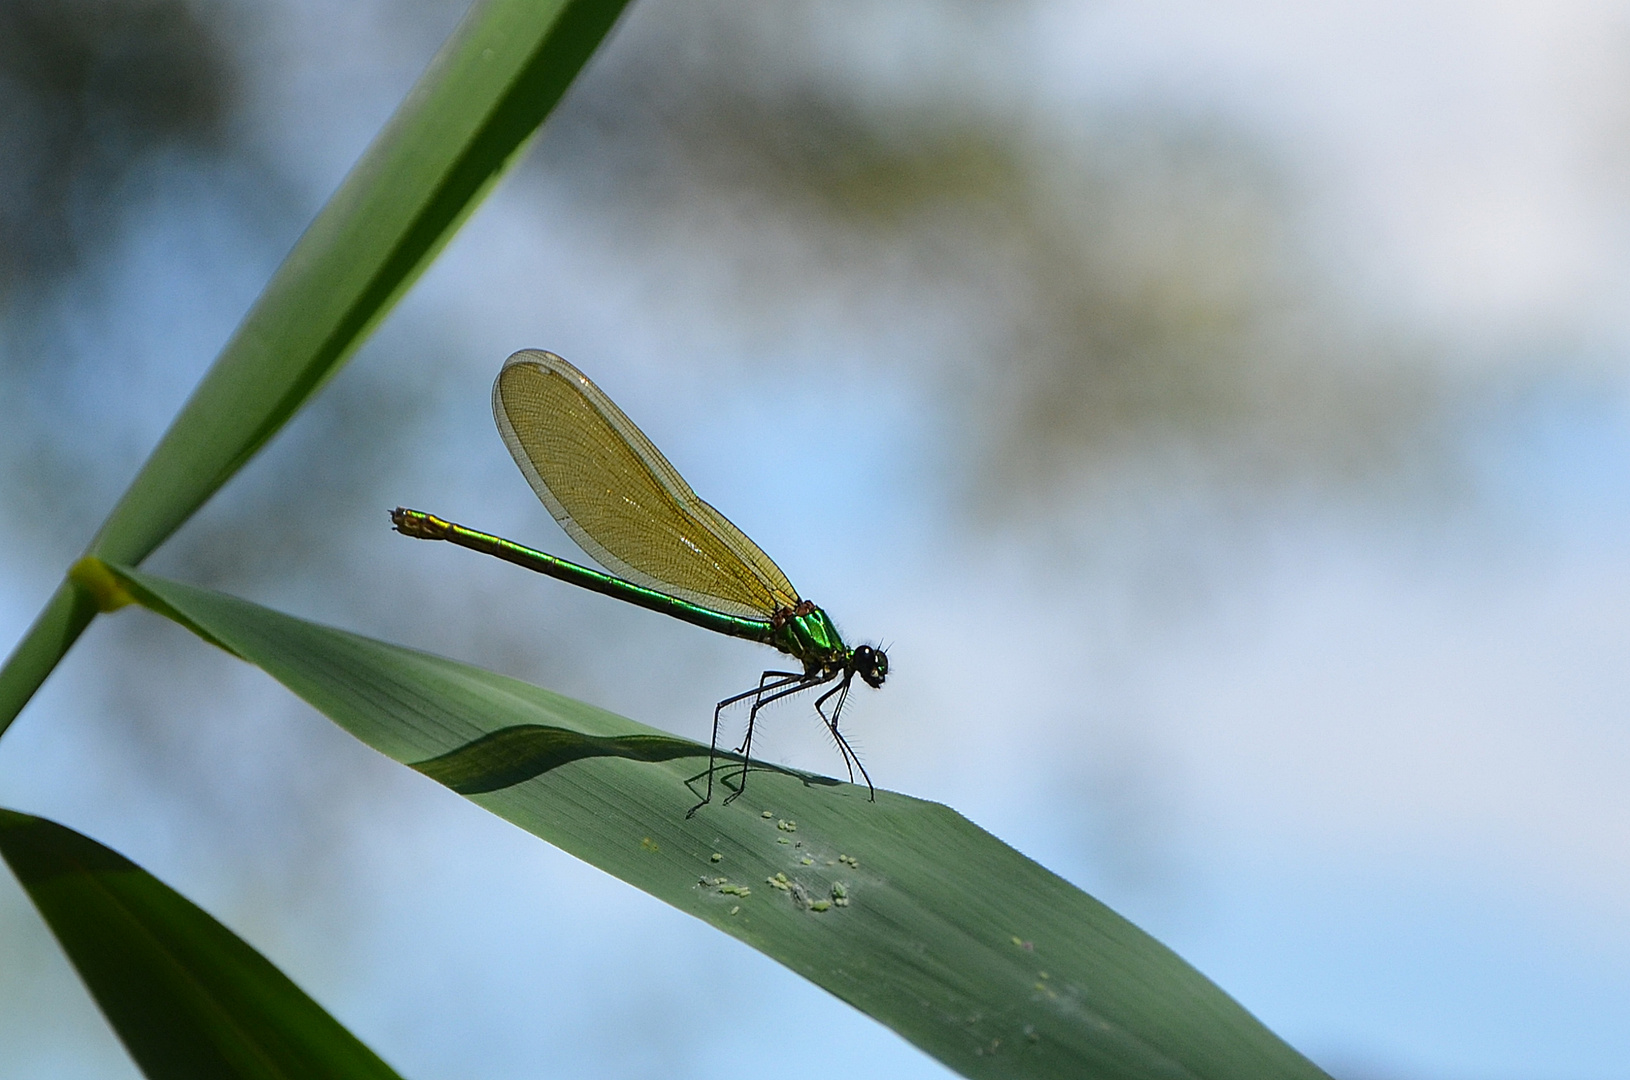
(483,96)
(54,632)
(189,998)
(973,952)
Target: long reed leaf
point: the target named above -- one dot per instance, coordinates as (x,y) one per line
(901,907)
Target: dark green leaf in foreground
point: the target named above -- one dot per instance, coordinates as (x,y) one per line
(189,998)
(475,107)
(901,907)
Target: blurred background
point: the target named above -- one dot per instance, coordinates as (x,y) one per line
(1221,410)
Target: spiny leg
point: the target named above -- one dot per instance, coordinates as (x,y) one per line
(774,692)
(782,679)
(842,690)
(804,683)
(843,744)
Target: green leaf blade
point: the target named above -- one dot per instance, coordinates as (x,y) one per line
(472,112)
(55,629)
(962,945)
(189,998)
(483,96)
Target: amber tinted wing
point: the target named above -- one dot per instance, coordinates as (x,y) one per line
(617,496)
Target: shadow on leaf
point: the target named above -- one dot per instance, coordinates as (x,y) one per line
(518,753)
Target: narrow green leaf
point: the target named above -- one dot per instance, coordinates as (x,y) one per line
(54,632)
(188,997)
(491,85)
(483,96)
(901,907)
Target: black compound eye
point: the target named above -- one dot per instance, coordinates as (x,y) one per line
(872,665)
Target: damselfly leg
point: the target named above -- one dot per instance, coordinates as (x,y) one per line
(850,759)
(768,682)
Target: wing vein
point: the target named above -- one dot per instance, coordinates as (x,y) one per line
(619,499)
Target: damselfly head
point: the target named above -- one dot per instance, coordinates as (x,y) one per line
(872,665)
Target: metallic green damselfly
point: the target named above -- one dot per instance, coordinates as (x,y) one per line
(623,503)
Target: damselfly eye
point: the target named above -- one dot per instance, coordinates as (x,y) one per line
(872,665)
